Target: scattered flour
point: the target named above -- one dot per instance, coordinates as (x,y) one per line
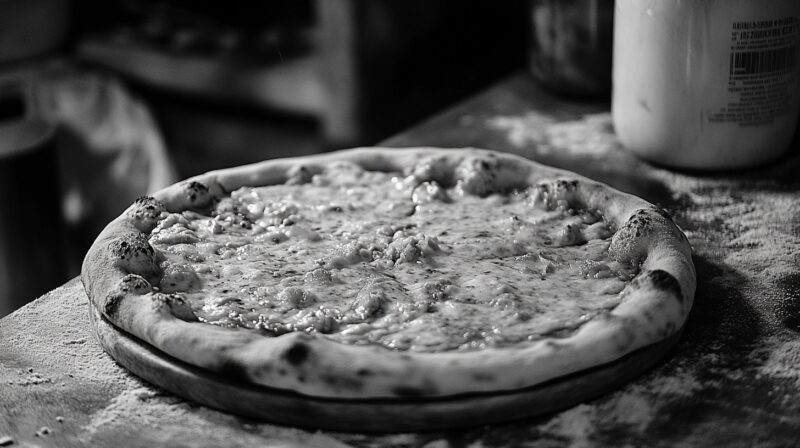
(783,361)
(753,231)
(679,384)
(639,404)
(525,130)
(438,443)
(635,406)
(589,136)
(173,419)
(29,378)
(634,410)
(578,425)
(115,412)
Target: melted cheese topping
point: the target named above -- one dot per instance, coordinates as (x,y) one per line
(371,258)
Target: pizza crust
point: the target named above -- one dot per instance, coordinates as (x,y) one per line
(653,307)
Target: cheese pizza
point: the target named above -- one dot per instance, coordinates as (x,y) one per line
(393,273)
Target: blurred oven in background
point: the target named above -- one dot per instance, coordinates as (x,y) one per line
(320,73)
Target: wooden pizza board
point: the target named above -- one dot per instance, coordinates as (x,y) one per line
(367,415)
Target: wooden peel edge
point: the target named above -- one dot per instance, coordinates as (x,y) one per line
(369,415)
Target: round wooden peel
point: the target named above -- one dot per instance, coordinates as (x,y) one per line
(368,415)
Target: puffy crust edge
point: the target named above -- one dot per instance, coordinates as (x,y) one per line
(654,307)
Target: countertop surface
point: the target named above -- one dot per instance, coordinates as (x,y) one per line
(732,380)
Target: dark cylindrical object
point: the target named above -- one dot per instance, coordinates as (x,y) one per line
(31,246)
(570,46)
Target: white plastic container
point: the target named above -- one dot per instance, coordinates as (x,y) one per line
(706,84)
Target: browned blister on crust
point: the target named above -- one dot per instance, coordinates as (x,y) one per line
(664,290)
(130,284)
(197,194)
(556,194)
(485,175)
(643,229)
(134,254)
(145,213)
(173,304)
(134,284)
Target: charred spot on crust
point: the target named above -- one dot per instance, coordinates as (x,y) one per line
(483,377)
(130,244)
(297,353)
(364,372)
(197,194)
(641,222)
(135,284)
(146,212)
(664,281)
(234,371)
(135,253)
(566,186)
(111,304)
(408,391)
(195,189)
(664,214)
(144,201)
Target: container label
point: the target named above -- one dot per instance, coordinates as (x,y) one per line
(763,71)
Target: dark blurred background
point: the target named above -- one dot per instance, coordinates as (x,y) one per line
(104,101)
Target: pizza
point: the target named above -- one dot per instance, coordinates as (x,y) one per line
(384,274)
